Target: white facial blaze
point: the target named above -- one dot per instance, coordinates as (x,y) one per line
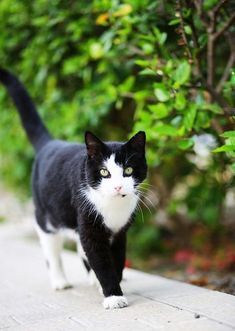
(117,179)
(115,207)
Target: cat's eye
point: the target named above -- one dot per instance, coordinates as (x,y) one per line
(104,172)
(128,171)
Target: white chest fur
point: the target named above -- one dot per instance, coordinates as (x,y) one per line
(116,211)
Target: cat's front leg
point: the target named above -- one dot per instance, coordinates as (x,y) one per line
(97,248)
(118,249)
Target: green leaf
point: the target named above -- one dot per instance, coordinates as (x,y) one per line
(213,107)
(232,79)
(166,130)
(127,85)
(162,38)
(148,48)
(182,73)
(174,21)
(160,110)
(189,117)
(142,63)
(71,65)
(147,72)
(180,101)
(96,50)
(161,92)
(208,4)
(228,134)
(202,121)
(188,29)
(123,10)
(185,143)
(225,148)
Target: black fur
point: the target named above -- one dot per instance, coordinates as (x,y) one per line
(61,170)
(35,129)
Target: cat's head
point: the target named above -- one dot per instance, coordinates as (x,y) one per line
(116,169)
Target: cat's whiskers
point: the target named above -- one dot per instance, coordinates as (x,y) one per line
(146,189)
(145,205)
(143,194)
(147,198)
(141,212)
(148,185)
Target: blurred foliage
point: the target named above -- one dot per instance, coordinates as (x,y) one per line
(115,67)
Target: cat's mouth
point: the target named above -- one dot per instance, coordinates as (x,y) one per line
(120,195)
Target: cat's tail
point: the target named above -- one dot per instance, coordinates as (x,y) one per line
(31,121)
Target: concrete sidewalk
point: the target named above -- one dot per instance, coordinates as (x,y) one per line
(27,302)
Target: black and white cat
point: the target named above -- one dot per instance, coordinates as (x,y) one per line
(90,188)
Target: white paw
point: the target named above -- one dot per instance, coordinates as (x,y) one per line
(114,302)
(60,284)
(93,281)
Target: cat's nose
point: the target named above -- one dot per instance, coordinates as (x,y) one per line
(118,188)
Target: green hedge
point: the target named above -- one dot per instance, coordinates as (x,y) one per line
(115,67)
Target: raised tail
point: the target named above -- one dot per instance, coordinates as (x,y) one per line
(31,121)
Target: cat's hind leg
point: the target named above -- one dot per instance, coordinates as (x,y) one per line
(52,244)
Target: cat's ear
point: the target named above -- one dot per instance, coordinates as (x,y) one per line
(95,147)
(137,142)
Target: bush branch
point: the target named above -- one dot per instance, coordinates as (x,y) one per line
(219,6)
(225,27)
(226,73)
(230,62)
(229,111)
(182,31)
